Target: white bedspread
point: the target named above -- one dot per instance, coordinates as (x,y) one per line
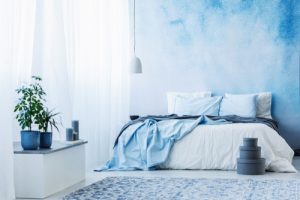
(217,147)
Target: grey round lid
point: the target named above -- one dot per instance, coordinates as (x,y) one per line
(250,139)
(246,148)
(251,161)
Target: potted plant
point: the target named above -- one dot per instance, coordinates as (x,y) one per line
(47,119)
(28,110)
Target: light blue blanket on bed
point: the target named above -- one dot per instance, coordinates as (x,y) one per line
(145,145)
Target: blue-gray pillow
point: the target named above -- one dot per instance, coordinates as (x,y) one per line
(197,106)
(241,105)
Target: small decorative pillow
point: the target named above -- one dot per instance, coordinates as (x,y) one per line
(241,105)
(197,106)
(171,96)
(263,105)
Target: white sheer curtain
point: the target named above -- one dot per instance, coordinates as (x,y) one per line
(97,52)
(80,48)
(21,41)
(16,37)
(49,59)
(6,160)
(6,150)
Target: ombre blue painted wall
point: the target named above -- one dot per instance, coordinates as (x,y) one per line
(237,46)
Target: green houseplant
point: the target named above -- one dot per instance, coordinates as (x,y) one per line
(29,109)
(47,120)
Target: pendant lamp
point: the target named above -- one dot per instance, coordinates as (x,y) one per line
(135,63)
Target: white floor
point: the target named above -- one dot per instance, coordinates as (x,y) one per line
(92,177)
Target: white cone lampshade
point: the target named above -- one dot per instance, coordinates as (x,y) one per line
(135,65)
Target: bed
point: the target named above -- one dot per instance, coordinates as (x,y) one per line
(205,133)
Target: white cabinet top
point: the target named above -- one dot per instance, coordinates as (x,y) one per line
(56,146)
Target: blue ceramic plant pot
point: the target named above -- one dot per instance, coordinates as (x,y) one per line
(46,140)
(30,140)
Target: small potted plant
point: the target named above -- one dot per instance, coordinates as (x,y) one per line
(28,110)
(47,119)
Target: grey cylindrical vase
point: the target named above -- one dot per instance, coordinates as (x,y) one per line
(69,134)
(75,136)
(75,126)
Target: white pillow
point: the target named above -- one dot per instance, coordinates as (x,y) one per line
(240,105)
(197,106)
(263,104)
(171,96)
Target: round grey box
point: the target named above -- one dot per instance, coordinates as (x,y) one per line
(250,142)
(251,166)
(250,152)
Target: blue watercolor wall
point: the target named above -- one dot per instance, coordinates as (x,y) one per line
(237,46)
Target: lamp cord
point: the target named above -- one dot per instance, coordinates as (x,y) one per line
(134,27)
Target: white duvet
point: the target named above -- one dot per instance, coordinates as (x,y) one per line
(217,147)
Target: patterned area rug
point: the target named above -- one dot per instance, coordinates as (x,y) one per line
(130,188)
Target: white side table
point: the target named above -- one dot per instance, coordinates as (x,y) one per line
(41,173)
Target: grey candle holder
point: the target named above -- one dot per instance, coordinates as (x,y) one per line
(75,126)
(69,134)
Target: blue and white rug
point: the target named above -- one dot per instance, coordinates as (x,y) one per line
(131,188)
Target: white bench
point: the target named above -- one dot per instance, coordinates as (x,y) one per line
(41,173)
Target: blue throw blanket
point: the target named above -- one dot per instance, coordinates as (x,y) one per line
(146,142)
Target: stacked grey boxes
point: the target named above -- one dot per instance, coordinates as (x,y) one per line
(250,161)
